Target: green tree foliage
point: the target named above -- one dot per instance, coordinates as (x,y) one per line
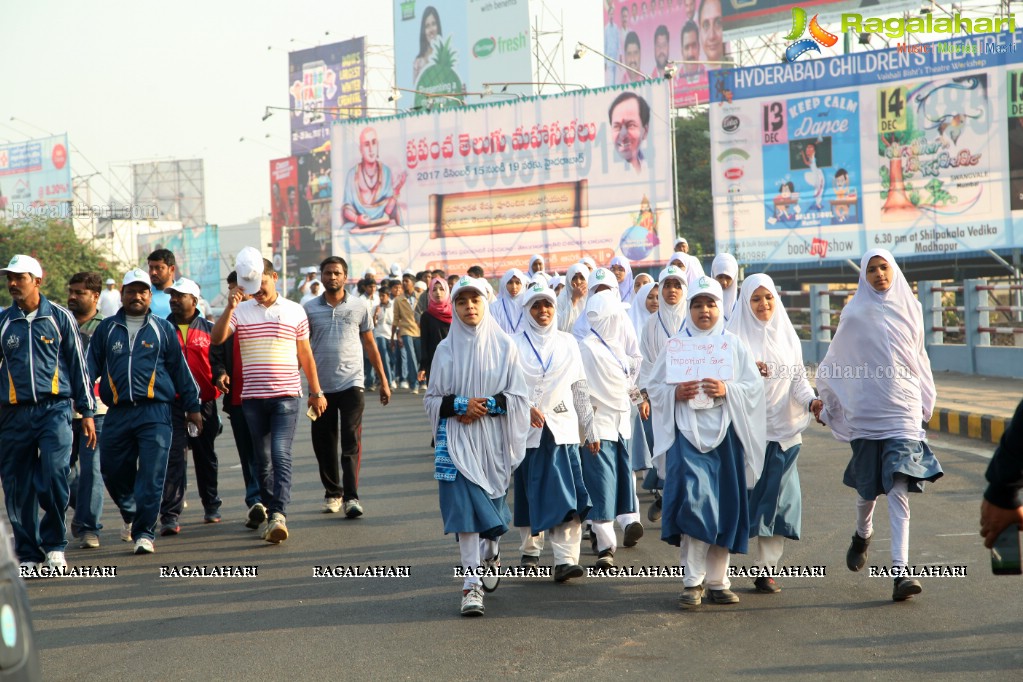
(695,210)
(53,243)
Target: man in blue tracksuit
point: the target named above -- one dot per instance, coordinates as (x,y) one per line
(137,359)
(42,368)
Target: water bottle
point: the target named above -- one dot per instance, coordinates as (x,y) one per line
(193,430)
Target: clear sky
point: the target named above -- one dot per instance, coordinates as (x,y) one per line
(133,81)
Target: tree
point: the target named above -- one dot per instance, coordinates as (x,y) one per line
(694,216)
(53,243)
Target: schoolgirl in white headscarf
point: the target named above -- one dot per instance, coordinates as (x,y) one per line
(572,299)
(689,264)
(877,388)
(549,491)
(776,501)
(479,414)
(556,282)
(707,457)
(530,271)
(725,269)
(600,279)
(507,309)
(588,261)
(611,374)
(621,264)
(643,308)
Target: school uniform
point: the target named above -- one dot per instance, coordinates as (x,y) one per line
(567,311)
(507,309)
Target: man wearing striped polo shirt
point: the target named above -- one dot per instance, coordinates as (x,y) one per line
(273,340)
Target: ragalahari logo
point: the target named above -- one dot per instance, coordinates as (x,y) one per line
(818,36)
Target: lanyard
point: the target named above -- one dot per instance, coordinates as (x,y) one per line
(504,307)
(666,332)
(543,367)
(691,334)
(613,354)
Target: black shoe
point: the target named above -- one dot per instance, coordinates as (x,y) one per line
(593,541)
(856,557)
(691,597)
(766,585)
(905,588)
(606,559)
(565,572)
(633,532)
(723,596)
(529,561)
(653,514)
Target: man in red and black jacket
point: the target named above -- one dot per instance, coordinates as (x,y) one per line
(194,336)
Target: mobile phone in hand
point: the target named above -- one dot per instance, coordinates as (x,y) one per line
(311,413)
(1005,558)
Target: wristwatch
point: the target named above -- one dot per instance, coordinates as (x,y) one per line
(318,394)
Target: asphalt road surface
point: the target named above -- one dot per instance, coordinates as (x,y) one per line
(285,623)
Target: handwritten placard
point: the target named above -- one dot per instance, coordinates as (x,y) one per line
(703,357)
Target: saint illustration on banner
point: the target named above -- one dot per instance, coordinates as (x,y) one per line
(371,217)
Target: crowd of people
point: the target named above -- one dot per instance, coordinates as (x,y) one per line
(561,388)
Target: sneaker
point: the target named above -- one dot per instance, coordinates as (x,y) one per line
(593,541)
(276,530)
(144,546)
(565,572)
(653,514)
(904,588)
(211,517)
(256,517)
(403,384)
(528,561)
(55,561)
(28,570)
(415,391)
(491,581)
(723,596)
(605,560)
(856,556)
(472,601)
(169,529)
(691,597)
(331,505)
(633,532)
(126,532)
(353,509)
(394,385)
(766,584)
(90,540)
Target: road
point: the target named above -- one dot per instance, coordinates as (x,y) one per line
(287,624)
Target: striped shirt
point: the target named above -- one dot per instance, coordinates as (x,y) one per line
(267,341)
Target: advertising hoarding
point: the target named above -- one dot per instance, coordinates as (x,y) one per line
(325,84)
(35,172)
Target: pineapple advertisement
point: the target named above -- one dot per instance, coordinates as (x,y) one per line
(445,48)
(568,175)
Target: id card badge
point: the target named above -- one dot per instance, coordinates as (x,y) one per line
(537,396)
(635,396)
(702,401)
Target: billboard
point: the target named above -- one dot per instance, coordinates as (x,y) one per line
(196,250)
(917,150)
(35,172)
(321,78)
(646,36)
(564,176)
(176,188)
(446,47)
(283,196)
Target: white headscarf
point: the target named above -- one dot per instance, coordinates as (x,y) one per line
(590,264)
(638,314)
(598,277)
(507,309)
(880,334)
(556,281)
(479,362)
(664,324)
(562,365)
(691,265)
(725,264)
(541,277)
(535,258)
(786,389)
(625,286)
(743,407)
(568,313)
(607,367)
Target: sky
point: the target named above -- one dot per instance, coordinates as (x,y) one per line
(143,81)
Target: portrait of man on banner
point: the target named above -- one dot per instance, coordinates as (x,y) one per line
(371,214)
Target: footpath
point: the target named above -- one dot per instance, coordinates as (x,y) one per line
(974,406)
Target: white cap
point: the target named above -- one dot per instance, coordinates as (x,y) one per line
(680,241)
(135,276)
(185,286)
(248,265)
(420,286)
(22,263)
(395,270)
(110,280)
(370,272)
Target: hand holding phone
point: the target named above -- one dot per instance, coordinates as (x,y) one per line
(1005,557)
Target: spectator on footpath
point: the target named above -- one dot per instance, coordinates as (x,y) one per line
(340,333)
(137,359)
(406,332)
(479,416)
(43,374)
(163,270)
(383,323)
(273,337)
(226,369)
(83,293)
(433,326)
(109,299)
(193,332)
(1002,505)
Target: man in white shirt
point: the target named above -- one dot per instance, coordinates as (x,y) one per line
(109,299)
